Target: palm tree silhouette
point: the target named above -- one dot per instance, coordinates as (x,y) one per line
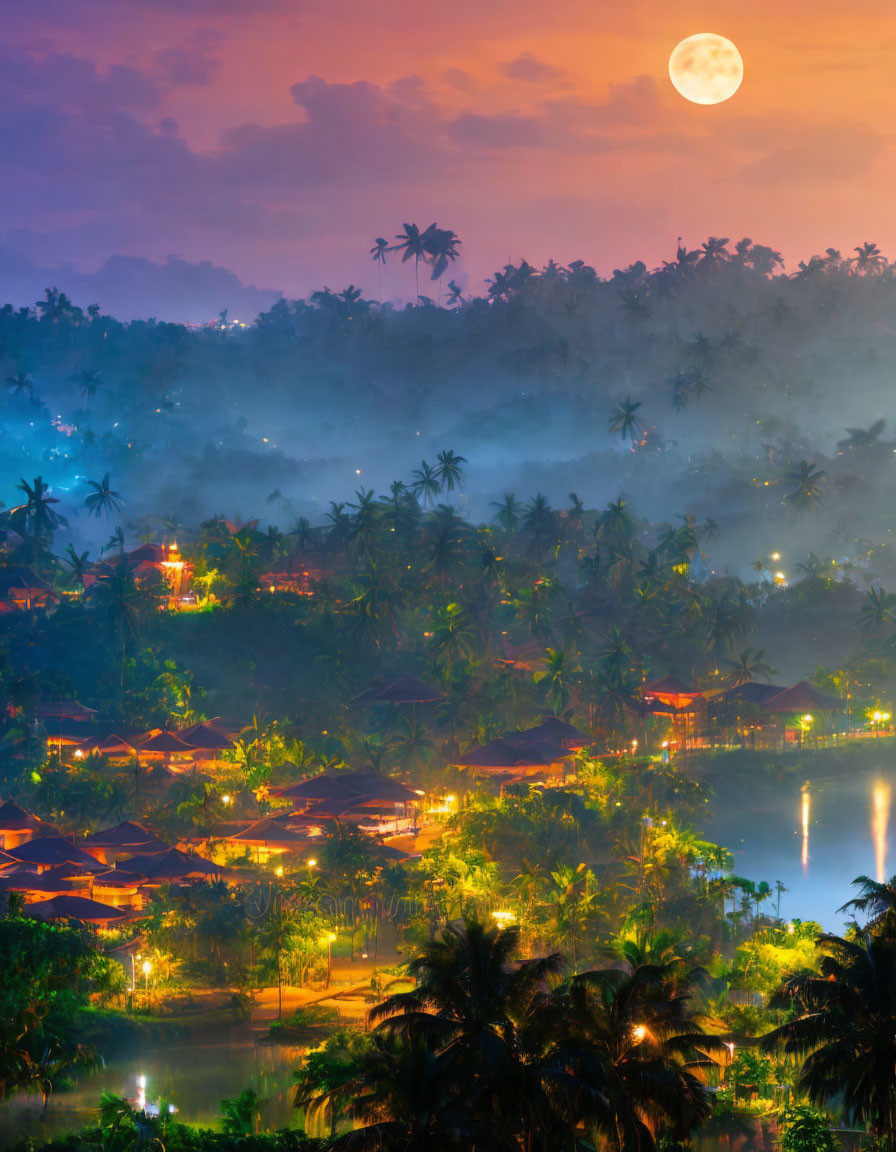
(869,260)
(845,1027)
(808,492)
(37,515)
(441,247)
(414,245)
(378,253)
(21,384)
(624,419)
(454,295)
(448,470)
(103,500)
(425,483)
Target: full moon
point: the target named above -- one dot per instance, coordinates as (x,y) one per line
(706,69)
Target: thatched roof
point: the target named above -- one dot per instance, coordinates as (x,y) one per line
(16,819)
(76,908)
(48,850)
(268,831)
(805,697)
(170,865)
(404,690)
(668,686)
(558,732)
(166,742)
(127,834)
(752,692)
(501,753)
(205,738)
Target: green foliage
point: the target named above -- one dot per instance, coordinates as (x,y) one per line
(47,974)
(805,1129)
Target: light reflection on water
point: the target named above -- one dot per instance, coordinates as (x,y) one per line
(815,839)
(195,1076)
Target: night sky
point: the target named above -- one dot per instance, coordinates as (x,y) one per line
(277,138)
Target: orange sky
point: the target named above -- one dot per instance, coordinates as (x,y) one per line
(537,128)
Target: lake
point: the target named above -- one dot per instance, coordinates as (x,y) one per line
(195,1075)
(815,835)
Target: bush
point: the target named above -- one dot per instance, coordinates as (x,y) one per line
(310,1016)
(805,1129)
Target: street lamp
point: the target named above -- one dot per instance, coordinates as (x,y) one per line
(146,968)
(331,939)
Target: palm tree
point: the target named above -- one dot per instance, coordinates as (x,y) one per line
(541,522)
(808,492)
(844,1027)
(878,610)
(639,1043)
(862,438)
(448,470)
(750,665)
(508,514)
(877,899)
(37,515)
(455,296)
(378,253)
(402,1097)
(441,248)
(78,565)
(557,678)
(103,500)
(21,384)
(414,245)
(425,483)
(624,419)
(88,380)
(473,1005)
(869,260)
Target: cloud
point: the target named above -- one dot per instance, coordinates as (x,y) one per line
(129,287)
(531,70)
(186,67)
(828,153)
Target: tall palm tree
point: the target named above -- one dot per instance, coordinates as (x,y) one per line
(378,254)
(624,418)
(37,515)
(642,1046)
(448,470)
(541,522)
(508,514)
(77,564)
(844,1027)
(455,294)
(442,250)
(88,381)
(414,245)
(425,483)
(103,500)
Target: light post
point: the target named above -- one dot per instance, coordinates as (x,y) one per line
(331,938)
(146,968)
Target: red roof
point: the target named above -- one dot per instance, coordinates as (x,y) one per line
(165,742)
